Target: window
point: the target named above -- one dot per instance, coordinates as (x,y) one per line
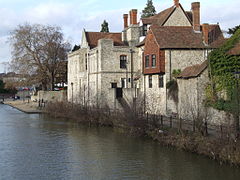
(123,61)
(123,82)
(114,85)
(147,61)
(144,30)
(86,61)
(150,81)
(160,81)
(153,60)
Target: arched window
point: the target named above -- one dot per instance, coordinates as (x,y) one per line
(123,61)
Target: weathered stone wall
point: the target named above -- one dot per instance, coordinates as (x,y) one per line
(191,102)
(180,59)
(77,75)
(52,96)
(155,97)
(132,34)
(178,18)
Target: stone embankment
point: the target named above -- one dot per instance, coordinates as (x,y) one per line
(24,106)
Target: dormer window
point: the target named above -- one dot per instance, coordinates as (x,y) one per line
(144,30)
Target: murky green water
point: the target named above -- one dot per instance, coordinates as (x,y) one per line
(36,147)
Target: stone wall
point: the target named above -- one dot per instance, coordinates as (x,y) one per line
(51,96)
(178,18)
(77,75)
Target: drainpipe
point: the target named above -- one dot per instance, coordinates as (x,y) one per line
(97,78)
(131,51)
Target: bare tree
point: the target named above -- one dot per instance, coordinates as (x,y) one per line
(39,51)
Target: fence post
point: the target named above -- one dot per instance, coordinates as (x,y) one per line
(170,121)
(161,120)
(206,128)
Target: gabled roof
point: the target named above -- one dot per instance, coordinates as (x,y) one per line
(162,17)
(184,37)
(159,18)
(216,38)
(93,37)
(177,37)
(193,71)
(235,50)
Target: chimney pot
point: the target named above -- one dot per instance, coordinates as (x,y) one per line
(196,15)
(205,31)
(133,16)
(176,3)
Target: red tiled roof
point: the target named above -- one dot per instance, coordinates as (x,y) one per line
(235,50)
(180,37)
(216,38)
(175,37)
(193,71)
(160,18)
(93,37)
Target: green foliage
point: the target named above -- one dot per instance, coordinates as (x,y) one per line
(223,66)
(172,87)
(104,26)
(176,72)
(232,31)
(149,10)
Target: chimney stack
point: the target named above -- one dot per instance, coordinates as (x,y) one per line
(133,16)
(125,18)
(196,15)
(205,30)
(176,3)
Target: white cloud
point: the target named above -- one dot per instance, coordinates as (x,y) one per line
(75,15)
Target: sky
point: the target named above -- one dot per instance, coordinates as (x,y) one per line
(74,15)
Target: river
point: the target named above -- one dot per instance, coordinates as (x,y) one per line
(39,147)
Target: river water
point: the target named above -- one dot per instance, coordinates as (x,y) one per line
(38,147)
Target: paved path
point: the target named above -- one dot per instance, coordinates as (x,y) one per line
(24,106)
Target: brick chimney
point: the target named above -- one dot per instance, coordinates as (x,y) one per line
(133,16)
(125,18)
(176,3)
(130,16)
(205,31)
(196,15)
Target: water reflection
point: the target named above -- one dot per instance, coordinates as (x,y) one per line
(39,147)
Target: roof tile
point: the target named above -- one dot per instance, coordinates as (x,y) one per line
(93,37)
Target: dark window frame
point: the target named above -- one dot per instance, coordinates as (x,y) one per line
(155,60)
(161,81)
(123,62)
(147,63)
(144,29)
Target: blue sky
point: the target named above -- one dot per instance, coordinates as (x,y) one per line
(74,15)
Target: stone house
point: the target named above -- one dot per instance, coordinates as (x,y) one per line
(141,61)
(104,62)
(174,40)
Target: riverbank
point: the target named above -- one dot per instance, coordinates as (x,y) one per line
(24,106)
(222,149)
